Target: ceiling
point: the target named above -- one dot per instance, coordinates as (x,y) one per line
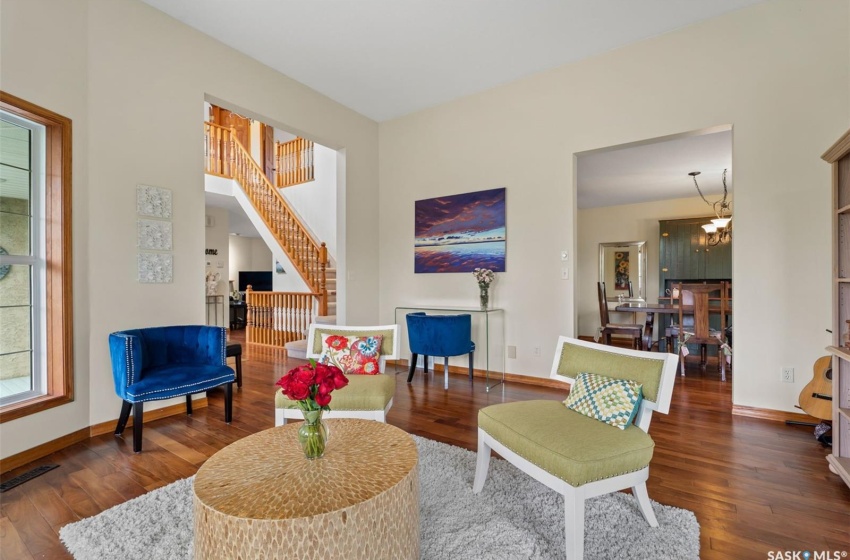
(387,58)
(654,170)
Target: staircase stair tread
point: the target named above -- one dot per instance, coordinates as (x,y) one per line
(297,349)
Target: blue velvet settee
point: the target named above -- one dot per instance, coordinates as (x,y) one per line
(165,362)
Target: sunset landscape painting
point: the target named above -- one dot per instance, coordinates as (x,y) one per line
(460,233)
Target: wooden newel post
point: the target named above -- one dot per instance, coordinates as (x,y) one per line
(323,280)
(249,314)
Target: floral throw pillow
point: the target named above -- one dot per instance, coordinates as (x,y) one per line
(354,355)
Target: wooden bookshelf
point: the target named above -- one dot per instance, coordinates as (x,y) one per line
(839,157)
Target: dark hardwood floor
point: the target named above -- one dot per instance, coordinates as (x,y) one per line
(755,485)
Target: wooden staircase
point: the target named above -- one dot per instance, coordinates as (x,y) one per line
(226,157)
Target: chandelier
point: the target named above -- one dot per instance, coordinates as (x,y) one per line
(720,228)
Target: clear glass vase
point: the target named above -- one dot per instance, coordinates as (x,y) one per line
(484,297)
(313,434)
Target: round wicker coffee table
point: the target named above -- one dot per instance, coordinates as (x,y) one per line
(261,498)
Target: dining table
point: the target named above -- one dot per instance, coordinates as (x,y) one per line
(651,308)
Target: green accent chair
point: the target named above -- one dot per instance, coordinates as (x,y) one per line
(367,397)
(575,455)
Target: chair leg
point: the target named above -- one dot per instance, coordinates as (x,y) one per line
(703,355)
(471,360)
(642,496)
(574,523)
(188,405)
(722,363)
(138,419)
(239,370)
(425,363)
(445,372)
(228,402)
(681,360)
(482,465)
(412,367)
(122,418)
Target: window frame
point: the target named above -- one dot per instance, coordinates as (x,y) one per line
(56,277)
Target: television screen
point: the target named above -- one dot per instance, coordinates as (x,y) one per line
(260,281)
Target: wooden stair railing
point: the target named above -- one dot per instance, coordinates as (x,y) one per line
(293,162)
(275,318)
(226,157)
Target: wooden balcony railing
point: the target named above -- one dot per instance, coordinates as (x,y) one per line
(275,318)
(293,162)
(225,156)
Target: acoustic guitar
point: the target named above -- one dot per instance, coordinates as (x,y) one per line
(816,397)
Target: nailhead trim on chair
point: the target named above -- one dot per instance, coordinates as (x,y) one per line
(131,367)
(180,387)
(223,347)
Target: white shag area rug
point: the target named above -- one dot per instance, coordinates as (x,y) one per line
(514,517)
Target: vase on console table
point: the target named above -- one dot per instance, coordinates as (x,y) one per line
(484,277)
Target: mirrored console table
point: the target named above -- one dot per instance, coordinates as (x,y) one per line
(487,324)
(215,309)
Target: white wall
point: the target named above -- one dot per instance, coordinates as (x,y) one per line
(60,58)
(626,222)
(248,253)
(256,141)
(315,202)
(132,80)
(217,238)
(283,136)
(779,72)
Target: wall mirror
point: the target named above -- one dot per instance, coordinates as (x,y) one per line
(622,266)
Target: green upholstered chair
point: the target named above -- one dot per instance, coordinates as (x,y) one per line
(366,396)
(578,456)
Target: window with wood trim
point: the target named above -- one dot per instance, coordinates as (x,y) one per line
(36,335)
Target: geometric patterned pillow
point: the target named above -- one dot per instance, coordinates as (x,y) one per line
(613,401)
(354,355)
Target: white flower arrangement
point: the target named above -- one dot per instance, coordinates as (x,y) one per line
(484,276)
(212,282)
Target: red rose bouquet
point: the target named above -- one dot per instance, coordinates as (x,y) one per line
(310,386)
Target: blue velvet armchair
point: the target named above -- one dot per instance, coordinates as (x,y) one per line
(439,335)
(164,362)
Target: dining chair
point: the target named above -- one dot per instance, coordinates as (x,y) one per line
(608,328)
(671,333)
(700,332)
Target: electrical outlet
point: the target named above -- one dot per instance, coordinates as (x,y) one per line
(512,352)
(537,351)
(565,274)
(788,375)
